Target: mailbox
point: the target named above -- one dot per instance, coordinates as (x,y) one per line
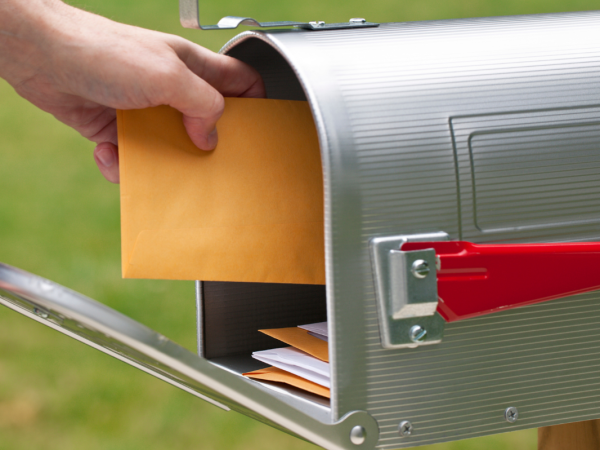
(461,166)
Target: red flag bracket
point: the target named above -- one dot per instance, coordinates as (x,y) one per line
(423,281)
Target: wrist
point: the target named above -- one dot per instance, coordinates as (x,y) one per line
(26,29)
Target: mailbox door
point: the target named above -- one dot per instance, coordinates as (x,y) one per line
(110,332)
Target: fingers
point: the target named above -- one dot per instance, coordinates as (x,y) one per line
(107,158)
(201,86)
(203,133)
(102,131)
(230,76)
(201,105)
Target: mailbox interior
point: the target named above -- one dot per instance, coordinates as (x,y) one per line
(230,315)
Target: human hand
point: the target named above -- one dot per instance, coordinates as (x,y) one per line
(81,67)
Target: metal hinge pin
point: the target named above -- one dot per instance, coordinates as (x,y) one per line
(358,435)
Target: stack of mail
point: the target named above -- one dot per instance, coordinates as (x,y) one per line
(304,365)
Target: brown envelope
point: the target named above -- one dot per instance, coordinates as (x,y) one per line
(281,376)
(251,210)
(299,338)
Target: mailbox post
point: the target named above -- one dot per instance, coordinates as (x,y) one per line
(579,435)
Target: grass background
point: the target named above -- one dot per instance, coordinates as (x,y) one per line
(60,219)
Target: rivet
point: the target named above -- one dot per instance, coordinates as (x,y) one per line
(358,20)
(417,333)
(405,428)
(317,23)
(358,435)
(511,414)
(420,268)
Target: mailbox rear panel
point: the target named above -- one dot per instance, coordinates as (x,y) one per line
(486,129)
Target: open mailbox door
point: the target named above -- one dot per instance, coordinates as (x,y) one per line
(112,333)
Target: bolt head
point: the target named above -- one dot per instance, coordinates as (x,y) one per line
(417,333)
(420,268)
(405,428)
(358,435)
(511,414)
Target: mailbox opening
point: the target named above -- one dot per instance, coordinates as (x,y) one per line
(231,313)
(279,77)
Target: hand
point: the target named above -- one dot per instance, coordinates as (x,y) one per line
(81,67)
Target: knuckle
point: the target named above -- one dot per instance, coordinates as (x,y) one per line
(217,106)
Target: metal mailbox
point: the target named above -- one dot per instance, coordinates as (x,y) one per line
(461,165)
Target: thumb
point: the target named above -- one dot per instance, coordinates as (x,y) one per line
(201,105)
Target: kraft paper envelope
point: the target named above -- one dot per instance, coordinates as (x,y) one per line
(251,210)
(299,338)
(281,376)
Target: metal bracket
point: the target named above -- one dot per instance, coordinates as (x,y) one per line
(189,15)
(406,291)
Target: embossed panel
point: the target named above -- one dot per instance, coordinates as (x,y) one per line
(527,171)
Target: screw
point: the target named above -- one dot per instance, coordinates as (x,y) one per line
(420,268)
(511,414)
(405,428)
(358,435)
(417,333)
(40,312)
(356,20)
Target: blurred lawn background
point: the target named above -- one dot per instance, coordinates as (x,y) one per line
(60,219)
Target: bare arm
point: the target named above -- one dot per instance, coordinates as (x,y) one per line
(81,67)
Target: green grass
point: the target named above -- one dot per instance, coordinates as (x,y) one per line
(60,219)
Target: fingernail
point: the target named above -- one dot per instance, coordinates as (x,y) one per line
(106,157)
(212,138)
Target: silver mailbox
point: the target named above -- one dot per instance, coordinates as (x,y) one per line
(482,130)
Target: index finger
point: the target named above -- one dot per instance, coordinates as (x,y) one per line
(230,76)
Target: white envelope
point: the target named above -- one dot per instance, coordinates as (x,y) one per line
(318,330)
(297,362)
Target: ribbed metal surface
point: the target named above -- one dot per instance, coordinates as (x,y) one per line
(544,359)
(392,106)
